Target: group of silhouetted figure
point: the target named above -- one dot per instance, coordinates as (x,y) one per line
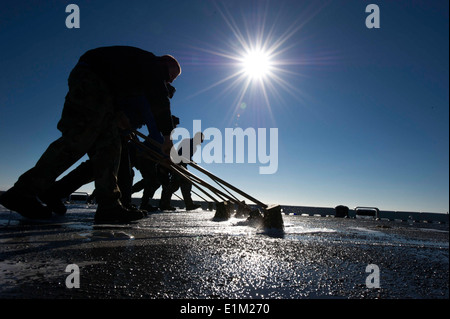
(112,92)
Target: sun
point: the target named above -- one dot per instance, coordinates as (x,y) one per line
(256,64)
(258,52)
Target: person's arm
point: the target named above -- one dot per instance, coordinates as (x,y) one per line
(158,97)
(154,131)
(167,145)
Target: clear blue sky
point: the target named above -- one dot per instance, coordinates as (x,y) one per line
(362,114)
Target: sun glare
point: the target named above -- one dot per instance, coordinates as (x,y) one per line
(256,64)
(256,52)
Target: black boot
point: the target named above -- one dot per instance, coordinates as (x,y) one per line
(132,207)
(167,207)
(53,202)
(116,214)
(148,208)
(26,205)
(193,206)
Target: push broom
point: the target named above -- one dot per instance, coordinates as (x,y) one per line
(271,216)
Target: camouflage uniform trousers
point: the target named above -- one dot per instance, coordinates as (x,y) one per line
(88,126)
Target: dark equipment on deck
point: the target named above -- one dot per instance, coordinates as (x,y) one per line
(268,217)
(341,211)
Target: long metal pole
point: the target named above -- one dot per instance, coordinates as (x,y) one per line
(184,173)
(152,155)
(209,174)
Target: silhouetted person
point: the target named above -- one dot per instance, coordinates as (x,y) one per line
(186,150)
(84,174)
(153,174)
(111,90)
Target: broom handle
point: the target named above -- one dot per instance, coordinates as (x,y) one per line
(184,173)
(156,157)
(204,171)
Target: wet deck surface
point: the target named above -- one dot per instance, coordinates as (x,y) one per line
(189,255)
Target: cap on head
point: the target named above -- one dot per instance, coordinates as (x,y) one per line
(173,66)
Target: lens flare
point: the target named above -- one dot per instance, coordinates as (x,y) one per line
(256,64)
(257,55)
